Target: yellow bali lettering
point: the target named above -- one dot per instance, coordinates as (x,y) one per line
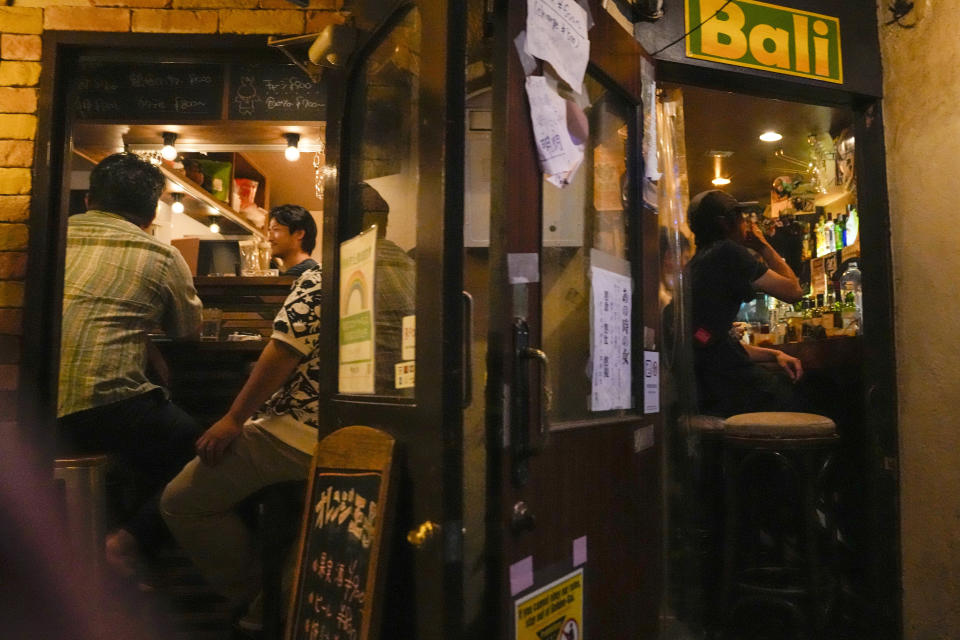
(731,27)
(800,42)
(821,49)
(780,56)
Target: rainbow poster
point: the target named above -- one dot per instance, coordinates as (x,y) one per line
(357,327)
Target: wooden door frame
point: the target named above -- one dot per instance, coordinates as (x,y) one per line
(879,365)
(440,331)
(43,300)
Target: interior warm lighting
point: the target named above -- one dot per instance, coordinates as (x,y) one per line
(214,227)
(177,206)
(771,136)
(718,179)
(292,152)
(169,151)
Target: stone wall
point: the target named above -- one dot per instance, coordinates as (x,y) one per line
(22,26)
(922,122)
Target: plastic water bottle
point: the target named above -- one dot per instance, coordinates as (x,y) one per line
(853,292)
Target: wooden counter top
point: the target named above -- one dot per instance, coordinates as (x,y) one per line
(166,345)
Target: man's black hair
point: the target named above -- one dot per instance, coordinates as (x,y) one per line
(127,185)
(296,218)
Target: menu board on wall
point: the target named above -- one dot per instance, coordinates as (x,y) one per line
(273,92)
(339,567)
(178,91)
(144,91)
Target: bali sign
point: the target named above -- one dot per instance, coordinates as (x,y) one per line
(764,36)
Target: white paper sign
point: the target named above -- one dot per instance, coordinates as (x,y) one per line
(357,326)
(404,375)
(408,337)
(651,382)
(557,33)
(559,156)
(611,303)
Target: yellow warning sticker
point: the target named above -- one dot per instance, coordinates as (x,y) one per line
(552,612)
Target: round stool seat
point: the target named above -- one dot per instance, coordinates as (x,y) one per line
(779,424)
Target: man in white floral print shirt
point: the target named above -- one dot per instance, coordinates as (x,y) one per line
(267,437)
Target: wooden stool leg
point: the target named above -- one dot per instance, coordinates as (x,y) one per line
(730,525)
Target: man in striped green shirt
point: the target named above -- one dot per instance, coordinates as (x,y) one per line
(120,283)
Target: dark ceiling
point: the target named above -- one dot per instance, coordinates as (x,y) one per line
(720,121)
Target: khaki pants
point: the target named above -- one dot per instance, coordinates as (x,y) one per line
(198,506)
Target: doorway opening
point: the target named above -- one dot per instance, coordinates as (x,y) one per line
(791,166)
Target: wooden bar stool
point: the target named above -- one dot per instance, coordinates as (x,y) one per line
(760,451)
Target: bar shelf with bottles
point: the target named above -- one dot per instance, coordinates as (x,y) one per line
(828,269)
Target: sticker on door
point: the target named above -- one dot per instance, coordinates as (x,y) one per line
(552,612)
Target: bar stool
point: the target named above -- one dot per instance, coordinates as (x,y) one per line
(279,511)
(81,483)
(703,435)
(800,446)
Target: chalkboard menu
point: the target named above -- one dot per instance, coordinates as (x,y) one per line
(274,92)
(339,566)
(138,91)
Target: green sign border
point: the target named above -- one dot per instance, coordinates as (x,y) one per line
(690,37)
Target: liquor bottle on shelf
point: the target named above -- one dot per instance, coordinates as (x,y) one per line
(852,297)
(840,231)
(821,247)
(829,236)
(805,247)
(853,224)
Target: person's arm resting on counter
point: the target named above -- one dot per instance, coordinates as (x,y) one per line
(792,366)
(276,364)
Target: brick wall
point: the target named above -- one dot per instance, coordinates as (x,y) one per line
(22,26)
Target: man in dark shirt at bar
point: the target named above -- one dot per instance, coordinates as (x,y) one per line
(724,274)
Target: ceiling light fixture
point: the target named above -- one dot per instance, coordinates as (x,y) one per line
(771,136)
(214,226)
(718,179)
(177,206)
(292,152)
(169,151)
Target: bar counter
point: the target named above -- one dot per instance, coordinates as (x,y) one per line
(825,353)
(205,375)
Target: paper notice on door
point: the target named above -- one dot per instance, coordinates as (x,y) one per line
(611,304)
(408,337)
(357,327)
(651,382)
(559,155)
(557,33)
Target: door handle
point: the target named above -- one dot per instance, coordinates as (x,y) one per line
(521,446)
(546,396)
(467,350)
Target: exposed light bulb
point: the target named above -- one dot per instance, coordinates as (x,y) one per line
(771,136)
(177,206)
(169,152)
(292,152)
(214,227)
